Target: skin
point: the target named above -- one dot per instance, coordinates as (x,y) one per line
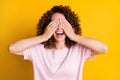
(60,42)
(58,23)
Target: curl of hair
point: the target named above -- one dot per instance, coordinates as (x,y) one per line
(70,16)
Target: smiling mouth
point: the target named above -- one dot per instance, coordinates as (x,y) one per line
(60,33)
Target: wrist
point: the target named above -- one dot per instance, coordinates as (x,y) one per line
(43,38)
(75,37)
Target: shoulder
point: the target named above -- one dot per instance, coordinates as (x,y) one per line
(33,52)
(80,48)
(77,46)
(84,52)
(35,49)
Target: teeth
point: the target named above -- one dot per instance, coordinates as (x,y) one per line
(59,32)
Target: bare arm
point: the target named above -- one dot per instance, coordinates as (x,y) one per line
(95,45)
(19,46)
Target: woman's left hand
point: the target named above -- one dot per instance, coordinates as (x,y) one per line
(67,27)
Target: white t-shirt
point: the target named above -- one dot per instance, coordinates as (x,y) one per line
(63,64)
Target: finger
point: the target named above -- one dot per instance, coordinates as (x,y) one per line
(68,30)
(66,22)
(52,23)
(68,26)
(64,26)
(49,33)
(53,27)
(52,30)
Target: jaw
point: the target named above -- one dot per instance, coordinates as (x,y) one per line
(59,38)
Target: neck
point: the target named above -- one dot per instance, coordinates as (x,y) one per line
(60,45)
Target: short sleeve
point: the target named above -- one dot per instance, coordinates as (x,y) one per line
(86,53)
(27,54)
(32,53)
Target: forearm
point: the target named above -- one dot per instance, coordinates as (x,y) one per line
(23,44)
(93,44)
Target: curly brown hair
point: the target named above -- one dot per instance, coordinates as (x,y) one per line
(70,16)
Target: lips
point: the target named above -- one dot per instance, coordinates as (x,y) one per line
(59,32)
(59,35)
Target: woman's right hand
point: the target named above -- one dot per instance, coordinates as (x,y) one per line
(50,29)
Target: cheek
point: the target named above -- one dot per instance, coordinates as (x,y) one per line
(54,35)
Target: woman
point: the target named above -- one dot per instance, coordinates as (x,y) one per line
(58,52)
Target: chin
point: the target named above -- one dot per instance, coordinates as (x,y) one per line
(59,40)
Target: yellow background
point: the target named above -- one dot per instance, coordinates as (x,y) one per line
(99,19)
